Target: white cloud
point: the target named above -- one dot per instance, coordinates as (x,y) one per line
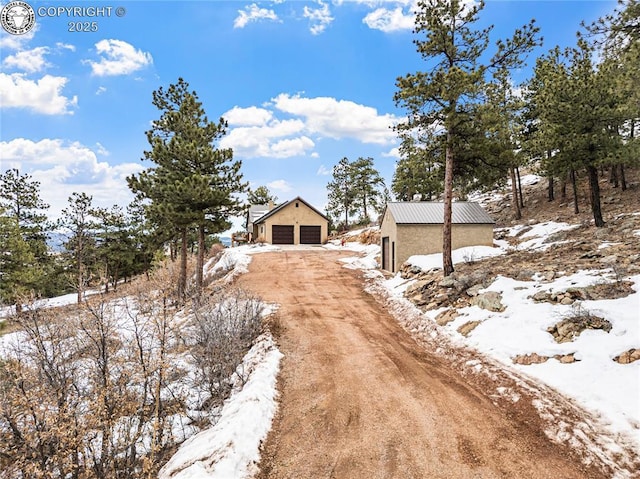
(119,58)
(251,116)
(390,20)
(253,13)
(64,167)
(101,149)
(270,140)
(320,17)
(100,90)
(279,185)
(323,171)
(292,147)
(42,96)
(30,61)
(65,46)
(16,42)
(315,155)
(340,118)
(393,153)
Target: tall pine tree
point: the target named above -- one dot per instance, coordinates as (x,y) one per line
(193,183)
(440,100)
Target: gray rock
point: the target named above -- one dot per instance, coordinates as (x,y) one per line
(474,290)
(490,301)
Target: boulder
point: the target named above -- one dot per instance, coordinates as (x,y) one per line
(490,301)
(474,290)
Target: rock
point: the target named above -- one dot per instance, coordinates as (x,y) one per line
(447,282)
(524,275)
(566,301)
(566,359)
(474,290)
(418,287)
(611,259)
(549,275)
(446,317)
(628,356)
(528,359)
(569,328)
(466,328)
(540,296)
(490,301)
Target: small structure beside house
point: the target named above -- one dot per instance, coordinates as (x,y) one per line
(412,228)
(254,213)
(293,222)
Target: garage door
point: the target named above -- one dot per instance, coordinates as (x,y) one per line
(281,234)
(310,235)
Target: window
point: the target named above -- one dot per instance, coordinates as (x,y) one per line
(297,204)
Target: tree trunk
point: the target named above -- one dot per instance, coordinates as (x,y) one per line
(563,188)
(594,189)
(182,280)
(80,271)
(200,264)
(515,202)
(551,196)
(613,176)
(520,187)
(623,180)
(447,262)
(574,185)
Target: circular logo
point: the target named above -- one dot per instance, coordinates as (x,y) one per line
(17,18)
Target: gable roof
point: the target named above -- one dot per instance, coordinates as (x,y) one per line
(255,212)
(282,206)
(429,212)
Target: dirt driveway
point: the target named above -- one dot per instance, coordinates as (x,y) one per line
(361,399)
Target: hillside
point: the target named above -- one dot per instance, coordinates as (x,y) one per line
(556,300)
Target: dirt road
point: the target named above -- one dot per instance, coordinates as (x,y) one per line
(361,399)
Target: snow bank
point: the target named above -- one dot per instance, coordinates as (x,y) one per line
(467,254)
(231,448)
(235,260)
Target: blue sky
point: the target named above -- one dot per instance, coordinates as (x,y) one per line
(301,83)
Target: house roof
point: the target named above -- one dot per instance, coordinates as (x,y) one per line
(255,212)
(428,212)
(282,206)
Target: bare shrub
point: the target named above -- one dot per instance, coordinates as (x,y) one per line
(224,327)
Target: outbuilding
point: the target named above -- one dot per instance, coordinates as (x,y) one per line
(415,228)
(293,222)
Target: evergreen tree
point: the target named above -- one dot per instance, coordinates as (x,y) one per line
(115,248)
(80,224)
(417,173)
(261,196)
(25,227)
(342,198)
(440,100)
(194,183)
(20,271)
(366,183)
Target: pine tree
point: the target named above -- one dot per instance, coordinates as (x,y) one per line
(194,183)
(80,224)
(366,183)
(340,191)
(439,100)
(260,196)
(25,228)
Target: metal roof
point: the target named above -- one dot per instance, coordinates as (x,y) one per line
(427,212)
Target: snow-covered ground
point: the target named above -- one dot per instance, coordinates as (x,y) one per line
(609,390)
(230,448)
